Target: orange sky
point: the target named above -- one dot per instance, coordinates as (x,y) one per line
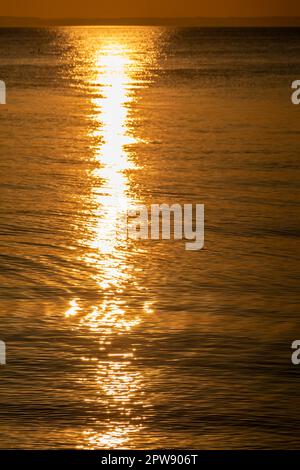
(148,8)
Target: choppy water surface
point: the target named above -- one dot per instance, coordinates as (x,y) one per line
(140,344)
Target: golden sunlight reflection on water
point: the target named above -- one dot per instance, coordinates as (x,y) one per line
(117,384)
(117,343)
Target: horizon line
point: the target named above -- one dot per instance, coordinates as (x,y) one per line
(279,21)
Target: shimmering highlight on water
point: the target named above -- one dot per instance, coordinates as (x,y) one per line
(118,343)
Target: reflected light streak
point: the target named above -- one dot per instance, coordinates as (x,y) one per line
(114,438)
(116,384)
(112,110)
